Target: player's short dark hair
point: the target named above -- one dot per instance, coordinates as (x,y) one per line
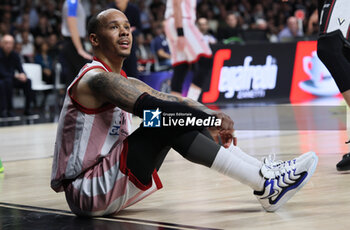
(93,24)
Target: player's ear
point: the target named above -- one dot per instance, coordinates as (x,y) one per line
(93,39)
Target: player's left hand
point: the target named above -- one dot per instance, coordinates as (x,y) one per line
(223,137)
(226,121)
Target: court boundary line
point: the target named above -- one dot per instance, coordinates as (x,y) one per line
(112,218)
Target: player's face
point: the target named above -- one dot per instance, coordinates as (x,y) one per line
(116,33)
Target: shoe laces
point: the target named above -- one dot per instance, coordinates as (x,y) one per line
(271,161)
(274,168)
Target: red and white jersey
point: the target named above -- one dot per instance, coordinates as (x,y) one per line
(188,9)
(195,45)
(85,135)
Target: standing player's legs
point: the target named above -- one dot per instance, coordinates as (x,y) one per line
(177,80)
(332,50)
(195,47)
(202,72)
(199,53)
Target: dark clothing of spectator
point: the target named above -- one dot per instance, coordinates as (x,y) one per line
(46,63)
(158,43)
(227,32)
(8,66)
(132,12)
(42,32)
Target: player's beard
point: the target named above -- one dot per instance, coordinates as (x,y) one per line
(124,55)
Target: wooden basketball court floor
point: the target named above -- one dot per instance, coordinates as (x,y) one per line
(193,197)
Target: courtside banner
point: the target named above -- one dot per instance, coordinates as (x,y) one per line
(254,71)
(311,78)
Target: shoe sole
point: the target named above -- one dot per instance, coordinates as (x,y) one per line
(342,169)
(292,192)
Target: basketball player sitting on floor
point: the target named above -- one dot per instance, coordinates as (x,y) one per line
(102,168)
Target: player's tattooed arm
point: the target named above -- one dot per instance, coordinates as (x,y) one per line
(226,124)
(143,87)
(113,88)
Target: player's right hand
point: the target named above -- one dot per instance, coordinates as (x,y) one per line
(181,42)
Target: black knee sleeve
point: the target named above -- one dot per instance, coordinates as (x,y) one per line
(330,49)
(178,78)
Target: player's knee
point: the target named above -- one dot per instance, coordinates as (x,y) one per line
(324,51)
(177,80)
(329,46)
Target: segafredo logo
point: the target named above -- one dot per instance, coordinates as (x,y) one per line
(247,80)
(155,118)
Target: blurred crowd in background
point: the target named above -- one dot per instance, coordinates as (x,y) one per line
(36,24)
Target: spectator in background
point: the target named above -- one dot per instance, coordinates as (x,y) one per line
(143,53)
(43,58)
(258,12)
(6,19)
(291,31)
(203,27)
(53,15)
(44,28)
(160,48)
(9,79)
(30,9)
(258,32)
(54,47)
(18,50)
(157,9)
(231,32)
(4,28)
(27,41)
(145,17)
(207,10)
(132,12)
(312,26)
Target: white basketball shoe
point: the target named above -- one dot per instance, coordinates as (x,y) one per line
(284,178)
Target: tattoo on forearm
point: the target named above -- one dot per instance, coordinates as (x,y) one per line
(167,97)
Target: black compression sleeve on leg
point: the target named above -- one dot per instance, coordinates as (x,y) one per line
(146,101)
(197,148)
